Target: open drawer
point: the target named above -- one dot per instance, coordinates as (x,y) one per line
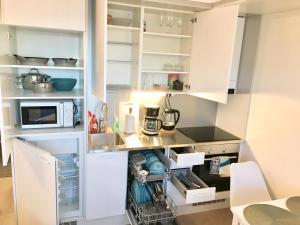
(186,157)
(190,187)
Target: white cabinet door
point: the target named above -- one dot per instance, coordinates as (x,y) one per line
(57,14)
(6,141)
(100,73)
(7,121)
(35,181)
(106,184)
(212,52)
(237,52)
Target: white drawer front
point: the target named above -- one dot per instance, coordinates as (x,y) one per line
(202,194)
(188,159)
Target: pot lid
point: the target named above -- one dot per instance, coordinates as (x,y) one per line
(34,72)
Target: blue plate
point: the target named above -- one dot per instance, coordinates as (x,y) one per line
(135,190)
(148,194)
(150,189)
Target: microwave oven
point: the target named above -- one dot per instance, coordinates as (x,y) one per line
(46,113)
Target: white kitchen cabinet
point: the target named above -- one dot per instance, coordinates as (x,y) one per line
(46,174)
(237,53)
(205,46)
(212,52)
(106,184)
(99,76)
(26,41)
(56,14)
(35,179)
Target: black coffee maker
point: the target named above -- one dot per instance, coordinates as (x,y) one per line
(151,123)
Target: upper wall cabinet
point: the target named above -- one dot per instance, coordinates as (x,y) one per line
(147,48)
(214,38)
(55,14)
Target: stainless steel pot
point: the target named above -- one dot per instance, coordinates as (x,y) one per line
(43,87)
(28,79)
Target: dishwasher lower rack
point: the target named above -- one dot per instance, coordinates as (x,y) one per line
(151,213)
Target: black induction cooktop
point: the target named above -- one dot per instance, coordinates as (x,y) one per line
(207,134)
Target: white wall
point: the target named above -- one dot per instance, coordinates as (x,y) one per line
(273,131)
(194,111)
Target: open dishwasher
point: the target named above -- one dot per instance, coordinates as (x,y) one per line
(147,182)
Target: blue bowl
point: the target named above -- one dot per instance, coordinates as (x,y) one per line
(64,84)
(151,160)
(157,168)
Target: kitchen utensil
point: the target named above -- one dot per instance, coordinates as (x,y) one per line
(151,160)
(138,159)
(64,84)
(25,60)
(171,116)
(151,126)
(171,78)
(179,67)
(119,21)
(109,19)
(31,77)
(151,123)
(177,85)
(124,108)
(130,123)
(43,87)
(64,61)
(168,67)
(160,87)
(157,168)
(135,190)
(152,111)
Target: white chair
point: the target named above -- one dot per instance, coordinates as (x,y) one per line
(247,185)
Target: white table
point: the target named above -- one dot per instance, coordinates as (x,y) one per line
(238,211)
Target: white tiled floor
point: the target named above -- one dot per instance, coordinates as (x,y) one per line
(7,215)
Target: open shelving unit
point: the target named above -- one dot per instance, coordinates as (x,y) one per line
(42,67)
(48,43)
(115,27)
(167,35)
(164,72)
(157,34)
(169,41)
(167,54)
(19,132)
(21,94)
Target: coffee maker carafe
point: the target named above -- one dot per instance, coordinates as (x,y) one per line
(151,123)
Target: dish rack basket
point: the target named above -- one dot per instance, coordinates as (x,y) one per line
(136,170)
(150,213)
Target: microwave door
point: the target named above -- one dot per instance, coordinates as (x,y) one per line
(40,116)
(45,118)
